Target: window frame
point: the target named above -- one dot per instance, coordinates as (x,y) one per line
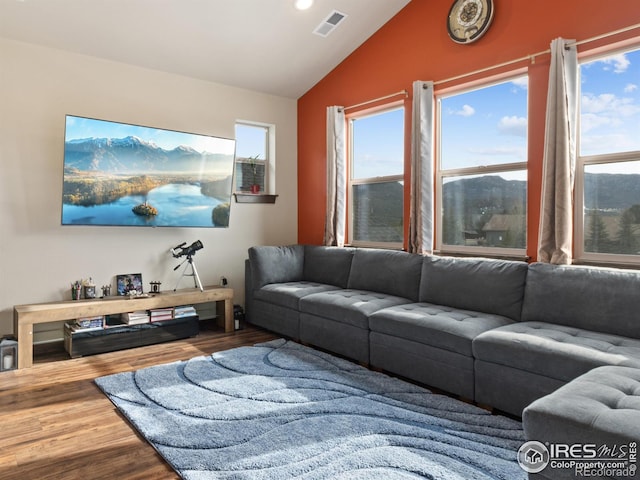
(584,161)
(442,174)
(267,163)
(352,182)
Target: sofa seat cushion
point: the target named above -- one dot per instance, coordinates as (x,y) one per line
(602,407)
(348,306)
(288,294)
(554,351)
(439,326)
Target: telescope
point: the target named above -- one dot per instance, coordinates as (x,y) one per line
(184,251)
(180,250)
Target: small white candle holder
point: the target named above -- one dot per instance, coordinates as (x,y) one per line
(8,355)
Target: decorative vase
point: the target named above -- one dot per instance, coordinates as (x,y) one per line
(255,188)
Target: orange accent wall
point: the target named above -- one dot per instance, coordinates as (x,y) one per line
(414,45)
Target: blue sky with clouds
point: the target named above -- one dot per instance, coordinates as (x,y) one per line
(610,104)
(489,125)
(486,126)
(378,144)
(251,141)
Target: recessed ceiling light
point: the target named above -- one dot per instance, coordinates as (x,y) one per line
(303,4)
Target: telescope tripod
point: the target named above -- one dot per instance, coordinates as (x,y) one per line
(194,273)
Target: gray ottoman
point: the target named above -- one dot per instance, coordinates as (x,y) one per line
(598,411)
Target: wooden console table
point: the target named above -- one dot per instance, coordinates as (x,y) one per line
(25,316)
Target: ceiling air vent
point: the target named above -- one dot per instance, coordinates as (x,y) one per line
(330,23)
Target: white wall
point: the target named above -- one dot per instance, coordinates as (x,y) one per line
(39,258)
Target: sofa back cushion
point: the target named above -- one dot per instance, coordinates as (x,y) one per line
(592,298)
(276,264)
(330,265)
(386,271)
(479,284)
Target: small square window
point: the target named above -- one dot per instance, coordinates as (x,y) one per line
(253,152)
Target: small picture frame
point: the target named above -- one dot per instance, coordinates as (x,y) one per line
(128,283)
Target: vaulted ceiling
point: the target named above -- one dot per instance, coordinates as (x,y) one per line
(263,45)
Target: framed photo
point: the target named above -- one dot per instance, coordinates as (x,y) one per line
(129,282)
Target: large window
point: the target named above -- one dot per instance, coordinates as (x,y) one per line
(482,169)
(254,153)
(608,167)
(376,187)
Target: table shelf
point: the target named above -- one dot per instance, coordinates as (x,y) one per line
(80,343)
(25,316)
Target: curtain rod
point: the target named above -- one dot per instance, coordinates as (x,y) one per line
(532,57)
(401,92)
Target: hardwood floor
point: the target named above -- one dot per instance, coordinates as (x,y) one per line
(56,424)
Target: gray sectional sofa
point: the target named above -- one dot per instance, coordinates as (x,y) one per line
(500,333)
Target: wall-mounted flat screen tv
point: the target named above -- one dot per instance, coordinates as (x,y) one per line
(122,174)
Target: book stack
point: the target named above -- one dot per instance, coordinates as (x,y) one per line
(184,311)
(161,314)
(135,318)
(86,324)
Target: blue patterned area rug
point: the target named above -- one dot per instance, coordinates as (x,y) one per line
(281,410)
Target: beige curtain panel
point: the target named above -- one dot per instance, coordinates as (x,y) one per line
(422,163)
(336,215)
(559,162)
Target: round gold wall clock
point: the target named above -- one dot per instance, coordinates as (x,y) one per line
(469,19)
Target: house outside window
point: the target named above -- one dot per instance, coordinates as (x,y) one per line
(254,156)
(607,189)
(376,180)
(481,173)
